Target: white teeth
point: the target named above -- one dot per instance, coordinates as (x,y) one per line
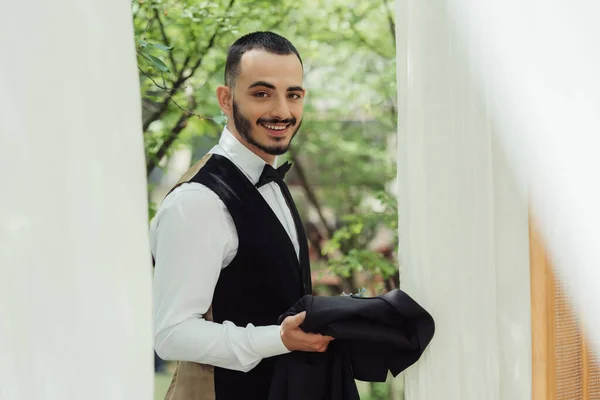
(275,127)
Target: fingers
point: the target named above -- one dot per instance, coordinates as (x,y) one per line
(313,337)
(324,339)
(322,348)
(318,338)
(297,320)
(294,338)
(318,342)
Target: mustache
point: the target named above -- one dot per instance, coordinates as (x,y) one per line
(291,121)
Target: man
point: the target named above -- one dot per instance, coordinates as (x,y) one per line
(230,251)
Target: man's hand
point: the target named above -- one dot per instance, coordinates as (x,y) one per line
(295,339)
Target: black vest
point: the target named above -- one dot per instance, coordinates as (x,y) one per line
(264,279)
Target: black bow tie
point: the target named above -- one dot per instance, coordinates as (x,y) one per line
(271,174)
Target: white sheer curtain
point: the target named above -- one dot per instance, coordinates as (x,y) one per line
(538,64)
(74,259)
(464,246)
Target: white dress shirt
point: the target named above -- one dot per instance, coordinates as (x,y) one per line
(192,238)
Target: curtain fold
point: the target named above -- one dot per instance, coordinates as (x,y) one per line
(75,291)
(464,248)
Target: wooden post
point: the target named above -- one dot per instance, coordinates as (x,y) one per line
(557,334)
(586,369)
(542,321)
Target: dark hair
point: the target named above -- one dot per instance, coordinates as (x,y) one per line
(268,41)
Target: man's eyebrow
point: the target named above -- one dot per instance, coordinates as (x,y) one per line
(271,86)
(262,83)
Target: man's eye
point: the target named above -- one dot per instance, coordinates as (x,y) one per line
(261,94)
(295,96)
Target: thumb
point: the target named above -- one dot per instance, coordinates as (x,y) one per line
(298,319)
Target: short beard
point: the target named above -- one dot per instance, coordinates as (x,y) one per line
(244,128)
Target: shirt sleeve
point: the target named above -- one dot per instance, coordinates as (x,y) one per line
(191,236)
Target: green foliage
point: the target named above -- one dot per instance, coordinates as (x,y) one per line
(351,239)
(348,49)
(379,391)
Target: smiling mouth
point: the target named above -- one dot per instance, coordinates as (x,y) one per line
(276,127)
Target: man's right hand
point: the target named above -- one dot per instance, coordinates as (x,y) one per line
(295,339)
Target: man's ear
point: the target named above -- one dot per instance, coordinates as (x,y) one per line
(224,94)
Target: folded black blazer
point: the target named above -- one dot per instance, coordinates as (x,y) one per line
(372,336)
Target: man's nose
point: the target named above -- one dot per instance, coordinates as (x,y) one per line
(280,109)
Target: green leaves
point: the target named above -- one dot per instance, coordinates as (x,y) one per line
(343,234)
(160,46)
(348,250)
(146,47)
(144,44)
(363,260)
(158,63)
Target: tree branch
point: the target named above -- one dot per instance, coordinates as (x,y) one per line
(163,86)
(391,22)
(146,29)
(186,62)
(191,113)
(176,86)
(183,78)
(317,246)
(166,40)
(364,40)
(211,43)
(151,162)
(310,194)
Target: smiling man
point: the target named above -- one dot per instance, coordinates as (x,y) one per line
(264,95)
(229,248)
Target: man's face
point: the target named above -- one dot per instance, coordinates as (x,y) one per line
(268,102)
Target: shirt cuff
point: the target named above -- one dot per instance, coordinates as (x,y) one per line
(267,341)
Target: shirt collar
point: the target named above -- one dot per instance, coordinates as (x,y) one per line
(244,158)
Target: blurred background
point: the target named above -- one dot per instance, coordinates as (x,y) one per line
(344,175)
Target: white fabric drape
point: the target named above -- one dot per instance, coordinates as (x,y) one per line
(537,63)
(75,282)
(463,226)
